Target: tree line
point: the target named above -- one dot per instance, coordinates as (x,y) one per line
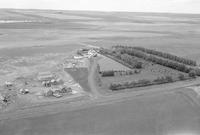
(124,59)
(144,82)
(111,73)
(164,55)
(164,62)
(130,60)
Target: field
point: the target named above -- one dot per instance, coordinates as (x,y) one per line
(149,71)
(33,41)
(170,33)
(162,114)
(107,64)
(80,75)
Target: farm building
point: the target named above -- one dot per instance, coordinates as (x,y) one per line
(53,82)
(24,91)
(78,57)
(46,83)
(45,76)
(8,84)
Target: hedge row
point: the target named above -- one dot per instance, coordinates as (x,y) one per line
(115,72)
(144,82)
(164,55)
(164,62)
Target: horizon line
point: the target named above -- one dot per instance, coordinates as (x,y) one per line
(106,11)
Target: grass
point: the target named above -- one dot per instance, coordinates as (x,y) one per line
(107,64)
(80,75)
(31,51)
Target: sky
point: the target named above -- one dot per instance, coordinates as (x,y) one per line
(174,6)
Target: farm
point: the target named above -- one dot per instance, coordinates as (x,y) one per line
(147,83)
(144,69)
(42,79)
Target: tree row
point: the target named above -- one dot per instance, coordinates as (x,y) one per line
(162,54)
(164,62)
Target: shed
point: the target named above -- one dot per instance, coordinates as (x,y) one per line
(45,76)
(24,91)
(8,84)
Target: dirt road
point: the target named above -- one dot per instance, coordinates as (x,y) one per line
(91,78)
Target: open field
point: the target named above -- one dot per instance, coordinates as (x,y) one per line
(162,114)
(177,34)
(33,41)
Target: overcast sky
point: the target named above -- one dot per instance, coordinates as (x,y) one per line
(178,6)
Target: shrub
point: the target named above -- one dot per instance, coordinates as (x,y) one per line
(197,71)
(169,79)
(138,65)
(192,73)
(144,82)
(160,80)
(181,77)
(107,73)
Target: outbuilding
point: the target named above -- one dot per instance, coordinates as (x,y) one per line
(8,84)
(24,91)
(45,76)
(46,83)
(53,81)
